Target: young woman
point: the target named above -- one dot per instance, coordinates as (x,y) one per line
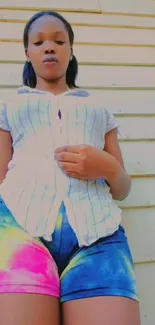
(60,169)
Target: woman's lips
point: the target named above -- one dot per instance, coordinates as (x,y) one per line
(50,60)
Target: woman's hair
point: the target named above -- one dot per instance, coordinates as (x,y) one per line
(29,76)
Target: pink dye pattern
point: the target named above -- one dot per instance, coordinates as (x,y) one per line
(32,270)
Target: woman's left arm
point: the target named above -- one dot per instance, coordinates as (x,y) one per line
(115,175)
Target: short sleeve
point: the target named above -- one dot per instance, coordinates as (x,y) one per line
(110,122)
(3,118)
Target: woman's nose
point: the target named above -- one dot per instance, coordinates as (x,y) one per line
(49,47)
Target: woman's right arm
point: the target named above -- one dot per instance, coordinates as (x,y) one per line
(5,152)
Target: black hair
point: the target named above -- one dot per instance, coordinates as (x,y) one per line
(29,76)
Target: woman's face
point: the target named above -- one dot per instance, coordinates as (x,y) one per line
(49,49)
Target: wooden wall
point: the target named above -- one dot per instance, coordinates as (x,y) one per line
(115,46)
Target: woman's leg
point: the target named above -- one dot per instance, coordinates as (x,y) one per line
(29,282)
(98,286)
(28,309)
(101,311)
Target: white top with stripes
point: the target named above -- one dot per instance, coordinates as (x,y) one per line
(35,186)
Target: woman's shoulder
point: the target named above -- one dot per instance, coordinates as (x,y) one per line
(12,101)
(94,98)
(6,106)
(78,92)
(87,96)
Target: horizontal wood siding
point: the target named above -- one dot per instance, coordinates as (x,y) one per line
(115,47)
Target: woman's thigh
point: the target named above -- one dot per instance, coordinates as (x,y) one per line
(101,311)
(28,309)
(29,281)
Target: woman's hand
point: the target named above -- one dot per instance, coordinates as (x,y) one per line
(89,163)
(84,162)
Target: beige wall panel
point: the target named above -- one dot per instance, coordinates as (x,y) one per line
(90,76)
(89,34)
(13,51)
(140,229)
(85,18)
(146,287)
(67,4)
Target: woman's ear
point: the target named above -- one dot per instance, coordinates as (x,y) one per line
(71,56)
(27,55)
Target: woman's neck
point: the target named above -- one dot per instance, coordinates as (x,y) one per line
(55,87)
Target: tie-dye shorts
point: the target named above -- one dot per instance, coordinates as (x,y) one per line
(61,268)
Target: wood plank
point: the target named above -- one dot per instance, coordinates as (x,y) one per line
(123,102)
(138,157)
(142,193)
(89,54)
(146,288)
(111,54)
(89,34)
(82,18)
(129,7)
(74,5)
(137,127)
(133,7)
(142,246)
(90,76)
(127,101)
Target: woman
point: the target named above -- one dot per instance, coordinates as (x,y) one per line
(60,169)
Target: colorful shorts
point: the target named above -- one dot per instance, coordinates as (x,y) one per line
(61,268)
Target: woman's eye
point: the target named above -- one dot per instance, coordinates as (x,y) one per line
(60,42)
(37,43)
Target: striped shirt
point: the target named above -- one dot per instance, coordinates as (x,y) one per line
(35,186)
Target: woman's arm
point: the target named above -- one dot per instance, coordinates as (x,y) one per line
(5,152)
(115,175)
(90,163)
